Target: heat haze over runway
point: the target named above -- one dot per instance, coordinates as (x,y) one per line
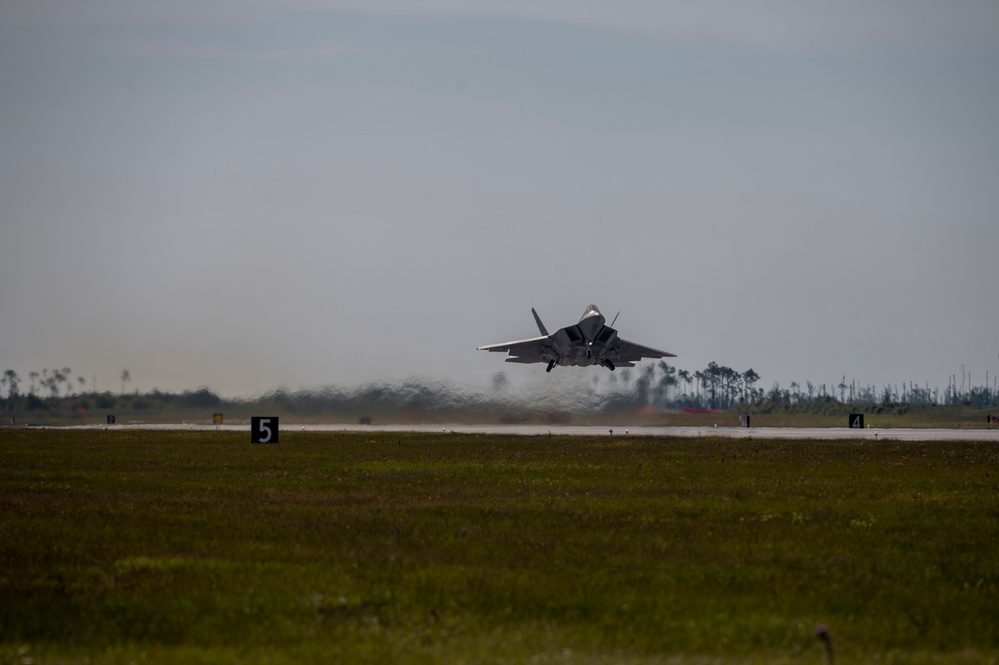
(816,433)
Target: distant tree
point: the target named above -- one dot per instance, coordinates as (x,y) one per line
(700,381)
(644,384)
(750,377)
(500,382)
(126,377)
(31,386)
(775,395)
(57,379)
(687,379)
(730,382)
(52,381)
(202,398)
(713,374)
(81,381)
(666,381)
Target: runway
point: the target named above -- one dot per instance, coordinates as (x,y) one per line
(816,433)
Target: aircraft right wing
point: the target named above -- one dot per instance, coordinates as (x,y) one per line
(523,351)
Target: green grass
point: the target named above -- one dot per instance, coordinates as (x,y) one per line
(160,547)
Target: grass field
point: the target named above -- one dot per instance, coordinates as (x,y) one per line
(163,547)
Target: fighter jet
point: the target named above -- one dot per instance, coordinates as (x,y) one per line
(589,342)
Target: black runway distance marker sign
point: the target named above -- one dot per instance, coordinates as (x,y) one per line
(263,429)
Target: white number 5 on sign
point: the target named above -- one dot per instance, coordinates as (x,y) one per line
(263,429)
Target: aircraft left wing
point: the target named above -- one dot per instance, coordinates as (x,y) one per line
(629,353)
(523,351)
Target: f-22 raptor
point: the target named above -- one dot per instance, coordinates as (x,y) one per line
(589,342)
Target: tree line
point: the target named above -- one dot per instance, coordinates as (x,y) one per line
(659,386)
(666,387)
(56,382)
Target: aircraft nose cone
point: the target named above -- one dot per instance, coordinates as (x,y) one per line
(590,326)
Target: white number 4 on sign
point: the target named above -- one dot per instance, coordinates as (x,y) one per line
(263,429)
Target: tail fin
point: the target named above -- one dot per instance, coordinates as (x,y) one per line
(541,326)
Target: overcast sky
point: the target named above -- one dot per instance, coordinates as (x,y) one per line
(247,195)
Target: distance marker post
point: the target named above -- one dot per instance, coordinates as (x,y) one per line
(263,429)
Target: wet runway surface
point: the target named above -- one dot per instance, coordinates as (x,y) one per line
(817,433)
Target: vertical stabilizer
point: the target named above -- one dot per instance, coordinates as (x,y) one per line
(541,326)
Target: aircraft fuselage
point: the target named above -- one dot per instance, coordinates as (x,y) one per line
(586,343)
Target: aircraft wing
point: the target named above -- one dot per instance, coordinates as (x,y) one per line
(523,351)
(628,353)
